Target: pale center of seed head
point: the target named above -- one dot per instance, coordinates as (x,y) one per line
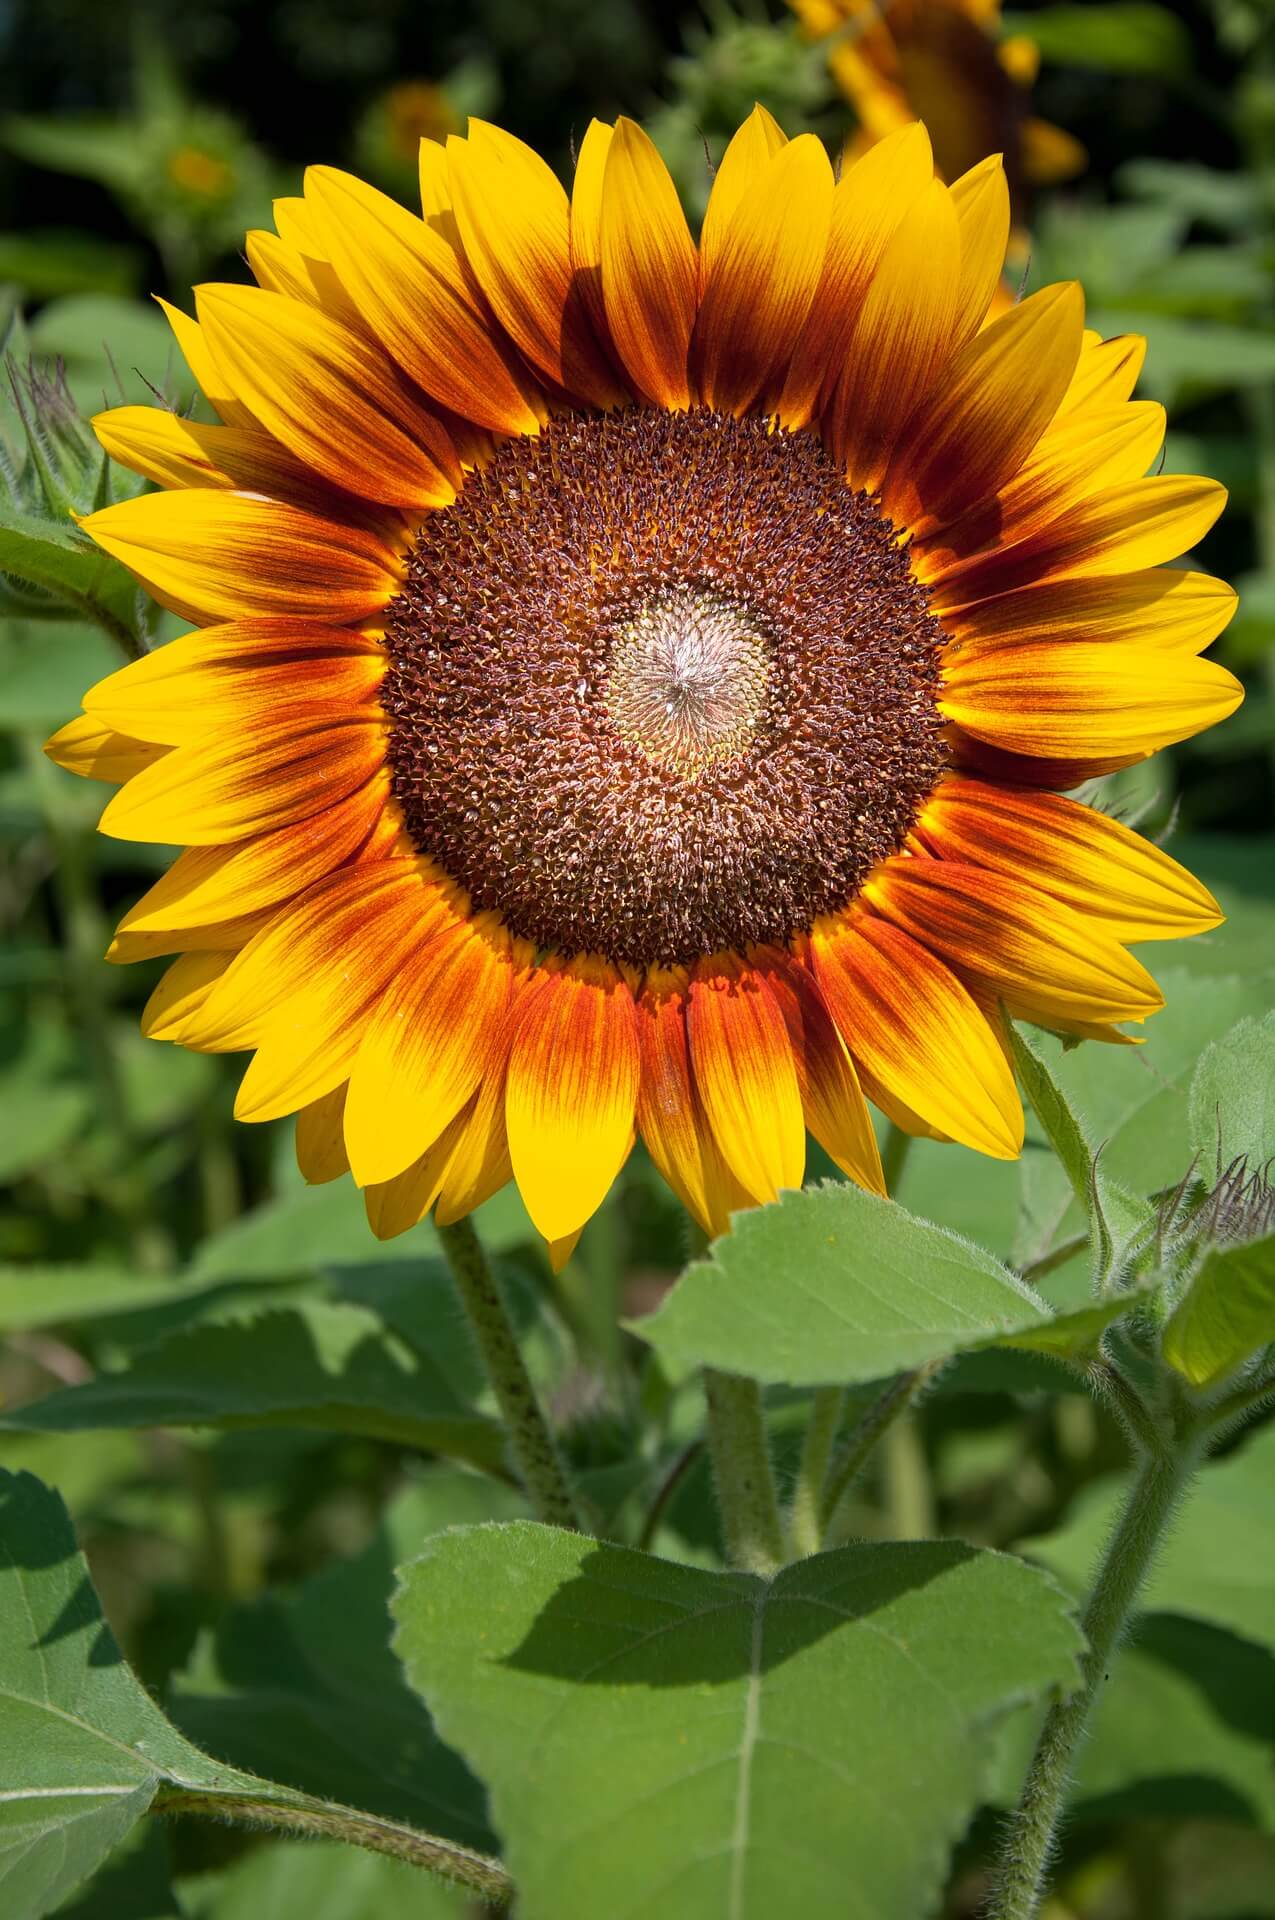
(686,681)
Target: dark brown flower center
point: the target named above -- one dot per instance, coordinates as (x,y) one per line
(661,684)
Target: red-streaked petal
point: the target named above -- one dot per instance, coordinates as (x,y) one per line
(672,1123)
(913,1028)
(648,268)
(836,1112)
(572,1091)
(745,1075)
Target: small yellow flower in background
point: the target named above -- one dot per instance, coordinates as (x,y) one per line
(417,110)
(204,175)
(637,675)
(939,61)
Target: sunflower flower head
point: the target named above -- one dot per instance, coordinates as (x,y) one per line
(636,676)
(943,62)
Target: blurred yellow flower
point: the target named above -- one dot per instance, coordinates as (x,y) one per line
(939,61)
(199,173)
(414,111)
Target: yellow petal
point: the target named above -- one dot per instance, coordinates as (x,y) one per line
(329,397)
(1089,699)
(745,1075)
(648,267)
(762,280)
(94,750)
(900,339)
(1157,607)
(572,1092)
(321,1154)
(981,199)
(181,993)
(743,165)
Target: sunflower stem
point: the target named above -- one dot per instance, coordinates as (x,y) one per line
(805,1515)
(742,1472)
(850,1461)
(1029,1841)
(535,1452)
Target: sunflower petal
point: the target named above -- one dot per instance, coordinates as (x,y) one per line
(182,991)
(648,267)
(222,556)
(746,1076)
(1106,372)
(96,751)
(900,338)
(1117,530)
(321,1154)
(670,1118)
(1089,699)
(180,694)
(981,199)
(748,154)
(1157,606)
(1018,943)
(208,884)
(836,1112)
(914,1029)
(586,221)
(762,278)
(225,790)
(426,1049)
(572,1091)
(206,373)
(409,286)
(329,396)
(1085,859)
(870,202)
(514,222)
(998,396)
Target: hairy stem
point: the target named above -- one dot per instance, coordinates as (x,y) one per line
(805,1515)
(299,1814)
(742,1472)
(1029,1839)
(535,1452)
(850,1461)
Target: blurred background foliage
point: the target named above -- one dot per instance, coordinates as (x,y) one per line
(137,143)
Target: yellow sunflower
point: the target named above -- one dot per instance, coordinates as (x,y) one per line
(941,62)
(635,677)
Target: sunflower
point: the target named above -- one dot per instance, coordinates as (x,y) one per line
(635,678)
(941,62)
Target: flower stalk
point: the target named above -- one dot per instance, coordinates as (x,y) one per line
(1031,1835)
(531,1441)
(742,1472)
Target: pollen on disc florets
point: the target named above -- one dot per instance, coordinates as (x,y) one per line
(686,681)
(661,684)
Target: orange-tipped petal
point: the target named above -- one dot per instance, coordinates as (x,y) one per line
(426,1049)
(1083,858)
(1018,943)
(836,1112)
(670,1118)
(572,1091)
(913,1028)
(745,1075)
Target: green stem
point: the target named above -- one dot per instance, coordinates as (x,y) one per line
(742,1472)
(1029,1840)
(534,1449)
(853,1456)
(894,1157)
(805,1515)
(461,1865)
(909,1497)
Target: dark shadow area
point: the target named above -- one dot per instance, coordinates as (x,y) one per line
(596,1627)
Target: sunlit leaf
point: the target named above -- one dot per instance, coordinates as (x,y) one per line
(779,1740)
(1227,1313)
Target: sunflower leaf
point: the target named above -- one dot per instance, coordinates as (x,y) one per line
(337,1367)
(1232,1102)
(836,1285)
(770,1730)
(1227,1313)
(85,1747)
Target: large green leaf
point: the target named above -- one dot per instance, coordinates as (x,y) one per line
(305,1688)
(1218,1563)
(1227,1313)
(85,1748)
(660,1740)
(1113,36)
(336,1366)
(1232,1109)
(834,1284)
(319,1881)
